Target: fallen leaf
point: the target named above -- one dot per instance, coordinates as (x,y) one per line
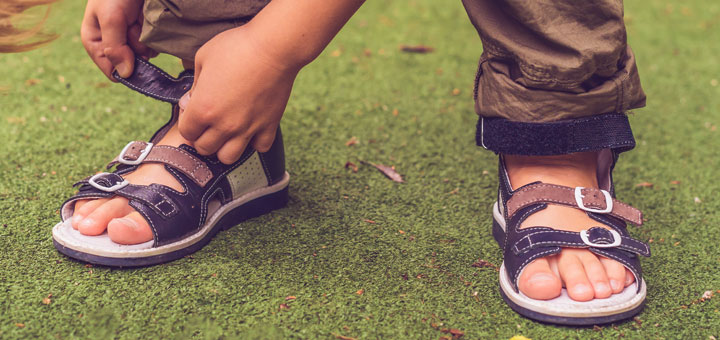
(61,79)
(697,200)
(16,120)
(519,337)
(101,85)
(395,112)
(480,263)
(455,92)
(708,294)
(360,292)
(675,182)
(336,53)
(367,52)
(32,81)
(400,231)
(342,337)
(644,185)
(369,221)
(284,306)
(289,298)
(353,140)
(388,171)
(47,301)
(416,48)
(20,325)
(351,166)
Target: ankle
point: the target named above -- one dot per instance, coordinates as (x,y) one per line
(576,169)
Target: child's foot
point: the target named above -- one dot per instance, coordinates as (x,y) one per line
(125,225)
(584,274)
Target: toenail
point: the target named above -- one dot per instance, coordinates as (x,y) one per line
(628,279)
(540,278)
(87,223)
(76,218)
(128,222)
(616,285)
(581,288)
(602,287)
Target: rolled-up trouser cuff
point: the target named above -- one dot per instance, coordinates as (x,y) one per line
(605,131)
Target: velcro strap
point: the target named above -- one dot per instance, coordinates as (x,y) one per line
(591,198)
(595,237)
(151,81)
(179,159)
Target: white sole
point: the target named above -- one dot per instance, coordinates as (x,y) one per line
(101,245)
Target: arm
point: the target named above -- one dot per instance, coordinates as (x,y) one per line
(244,76)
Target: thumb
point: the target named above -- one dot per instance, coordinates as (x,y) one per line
(122,58)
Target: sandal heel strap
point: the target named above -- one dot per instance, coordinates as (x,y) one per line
(153,82)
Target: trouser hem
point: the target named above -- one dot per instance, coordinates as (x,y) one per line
(605,131)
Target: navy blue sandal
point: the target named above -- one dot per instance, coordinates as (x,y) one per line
(215,196)
(522,246)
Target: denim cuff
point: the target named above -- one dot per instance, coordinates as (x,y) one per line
(605,131)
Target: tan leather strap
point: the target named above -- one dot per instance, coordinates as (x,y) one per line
(179,159)
(557,194)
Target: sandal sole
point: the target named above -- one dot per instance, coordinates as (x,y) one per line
(626,310)
(226,220)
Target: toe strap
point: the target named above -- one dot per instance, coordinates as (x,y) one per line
(532,243)
(592,238)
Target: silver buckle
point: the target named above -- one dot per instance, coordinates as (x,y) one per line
(143,154)
(616,240)
(579,200)
(113,188)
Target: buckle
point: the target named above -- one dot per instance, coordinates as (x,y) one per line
(113,188)
(579,200)
(143,154)
(616,239)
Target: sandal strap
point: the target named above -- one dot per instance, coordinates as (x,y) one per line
(588,199)
(151,81)
(137,152)
(594,237)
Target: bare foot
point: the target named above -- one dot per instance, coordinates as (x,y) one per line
(125,225)
(585,275)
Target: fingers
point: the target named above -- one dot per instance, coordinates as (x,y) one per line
(92,41)
(114,32)
(122,58)
(231,151)
(262,141)
(210,141)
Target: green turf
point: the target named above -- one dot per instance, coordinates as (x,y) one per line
(413,264)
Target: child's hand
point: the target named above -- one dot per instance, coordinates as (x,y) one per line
(110,33)
(239,95)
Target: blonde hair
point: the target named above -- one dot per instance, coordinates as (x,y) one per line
(13,39)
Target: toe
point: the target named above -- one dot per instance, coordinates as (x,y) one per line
(573,274)
(595,272)
(96,222)
(629,277)
(616,274)
(84,208)
(130,229)
(538,281)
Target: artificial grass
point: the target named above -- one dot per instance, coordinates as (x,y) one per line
(365,257)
